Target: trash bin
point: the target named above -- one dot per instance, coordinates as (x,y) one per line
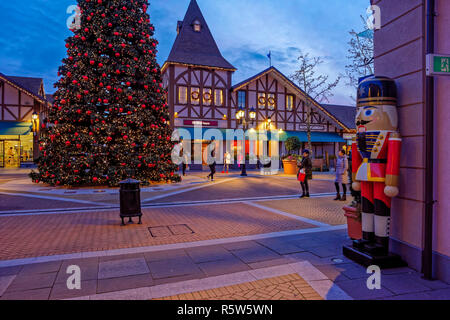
(130,200)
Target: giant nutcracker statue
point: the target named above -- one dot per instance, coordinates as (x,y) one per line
(375,167)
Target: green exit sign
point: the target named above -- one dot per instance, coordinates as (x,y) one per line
(438,65)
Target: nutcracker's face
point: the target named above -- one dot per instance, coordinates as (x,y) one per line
(376,118)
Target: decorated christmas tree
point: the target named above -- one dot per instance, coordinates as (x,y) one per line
(109,120)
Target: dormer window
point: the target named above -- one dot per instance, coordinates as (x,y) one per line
(197,26)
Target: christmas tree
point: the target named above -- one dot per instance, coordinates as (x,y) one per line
(109,120)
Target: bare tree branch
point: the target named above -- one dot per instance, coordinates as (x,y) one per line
(360,54)
(316,86)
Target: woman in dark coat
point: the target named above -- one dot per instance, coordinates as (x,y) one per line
(211,160)
(306,164)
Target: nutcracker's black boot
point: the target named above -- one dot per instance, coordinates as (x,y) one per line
(338,197)
(344,198)
(379,247)
(368,238)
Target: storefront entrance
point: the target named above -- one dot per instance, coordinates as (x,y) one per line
(16,151)
(11,153)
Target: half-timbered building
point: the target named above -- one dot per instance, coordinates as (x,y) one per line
(198,80)
(22,105)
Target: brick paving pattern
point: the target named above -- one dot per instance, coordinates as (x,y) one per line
(325,210)
(110,274)
(53,234)
(288,287)
(258,186)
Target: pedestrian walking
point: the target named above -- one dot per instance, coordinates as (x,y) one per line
(226,162)
(211,160)
(178,153)
(185,161)
(341,176)
(306,166)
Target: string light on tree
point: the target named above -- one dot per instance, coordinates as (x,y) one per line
(100,128)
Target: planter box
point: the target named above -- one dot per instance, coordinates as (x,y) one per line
(290,166)
(353,223)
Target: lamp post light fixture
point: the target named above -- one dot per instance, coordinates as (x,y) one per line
(241,119)
(269,123)
(35,118)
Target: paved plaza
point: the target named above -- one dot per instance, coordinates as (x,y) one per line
(235,238)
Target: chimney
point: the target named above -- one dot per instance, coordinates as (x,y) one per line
(179,24)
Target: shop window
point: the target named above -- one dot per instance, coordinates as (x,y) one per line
(242,99)
(207,96)
(195,96)
(182,95)
(271,101)
(289,102)
(26,148)
(218,95)
(261,100)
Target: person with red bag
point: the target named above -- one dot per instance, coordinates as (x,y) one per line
(305,173)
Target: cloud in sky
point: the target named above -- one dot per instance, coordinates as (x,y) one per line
(32,40)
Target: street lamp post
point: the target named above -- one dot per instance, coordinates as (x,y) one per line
(242,119)
(35,118)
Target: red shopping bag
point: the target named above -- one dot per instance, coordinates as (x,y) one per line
(301,175)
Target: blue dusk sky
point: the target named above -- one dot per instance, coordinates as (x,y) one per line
(33,34)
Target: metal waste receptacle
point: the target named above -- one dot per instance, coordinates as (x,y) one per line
(130,200)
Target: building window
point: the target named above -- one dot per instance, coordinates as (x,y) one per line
(218,95)
(289,102)
(26,148)
(195,95)
(207,96)
(261,100)
(182,95)
(271,101)
(242,99)
(197,26)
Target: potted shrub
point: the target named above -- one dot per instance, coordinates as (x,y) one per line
(354,225)
(293,145)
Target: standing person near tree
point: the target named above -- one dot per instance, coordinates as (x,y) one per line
(211,160)
(305,165)
(185,160)
(341,176)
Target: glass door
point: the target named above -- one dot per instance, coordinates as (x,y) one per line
(12,154)
(2,155)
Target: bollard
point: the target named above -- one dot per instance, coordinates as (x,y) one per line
(130,200)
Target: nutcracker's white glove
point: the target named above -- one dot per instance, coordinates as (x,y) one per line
(391,191)
(356,186)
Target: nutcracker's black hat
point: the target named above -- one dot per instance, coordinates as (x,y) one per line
(377,90)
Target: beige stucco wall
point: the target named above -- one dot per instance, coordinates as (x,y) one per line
(442,152)
(400,54)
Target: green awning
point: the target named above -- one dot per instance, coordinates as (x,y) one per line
(188,133)
(11,128)
(327,137)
